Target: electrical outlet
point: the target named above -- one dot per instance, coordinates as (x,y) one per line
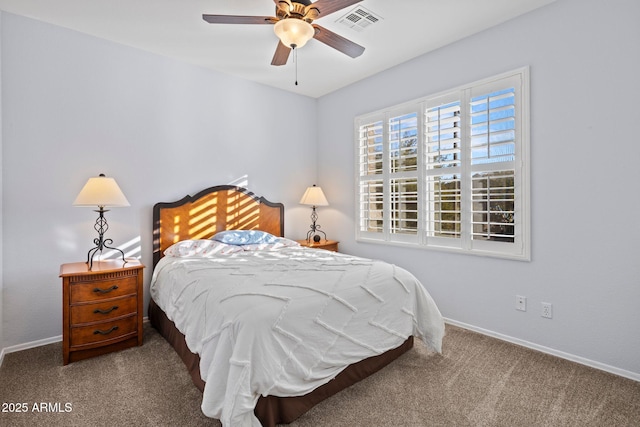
(547,310)
(521,303)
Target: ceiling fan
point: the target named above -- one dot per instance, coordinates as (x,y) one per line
(293,26)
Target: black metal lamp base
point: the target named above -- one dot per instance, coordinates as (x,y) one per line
(101,227)
(315,228)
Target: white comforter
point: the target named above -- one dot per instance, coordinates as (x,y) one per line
(284,322)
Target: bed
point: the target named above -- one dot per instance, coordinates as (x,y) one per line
(243,317)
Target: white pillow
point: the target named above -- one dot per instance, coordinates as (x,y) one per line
(200,248)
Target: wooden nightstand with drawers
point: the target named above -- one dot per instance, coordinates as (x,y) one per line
(101,308)
(330,245)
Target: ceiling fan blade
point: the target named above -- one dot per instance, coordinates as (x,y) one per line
(234,19)
(326,7)
(337,42)
(282,54)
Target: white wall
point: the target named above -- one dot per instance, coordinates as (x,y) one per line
(585,83)
(75,106)
(1,208)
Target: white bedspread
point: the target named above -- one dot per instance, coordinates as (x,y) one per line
(284,322)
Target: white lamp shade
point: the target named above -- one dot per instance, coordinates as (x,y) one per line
(293,32)
(101,191)
(314,197)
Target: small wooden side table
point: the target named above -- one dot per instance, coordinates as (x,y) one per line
(101,308)
(330,245)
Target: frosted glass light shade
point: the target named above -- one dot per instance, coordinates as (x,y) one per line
(314,197)
(293,32)
(101,191)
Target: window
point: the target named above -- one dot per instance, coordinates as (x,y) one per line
(448,171)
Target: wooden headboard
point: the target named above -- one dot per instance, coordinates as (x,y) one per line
(224,207)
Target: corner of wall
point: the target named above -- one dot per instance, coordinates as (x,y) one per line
(1,208)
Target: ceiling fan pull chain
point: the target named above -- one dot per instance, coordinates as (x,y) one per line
(295,61)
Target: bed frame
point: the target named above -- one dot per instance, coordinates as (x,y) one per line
(224,207)
(228,207)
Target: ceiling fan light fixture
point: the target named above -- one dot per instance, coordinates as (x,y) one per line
(293,32)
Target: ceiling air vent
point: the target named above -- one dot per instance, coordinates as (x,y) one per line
(359,19)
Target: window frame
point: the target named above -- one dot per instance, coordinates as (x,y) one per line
(520,248)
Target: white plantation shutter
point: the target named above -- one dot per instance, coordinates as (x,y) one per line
(449,171)
(493,213)
(443,164)
(404,206)
(444,209)
(496,126)
(370,135)
(492,165)
(403,143)
(371,148)
(371,206)
(493,127)
(442,123)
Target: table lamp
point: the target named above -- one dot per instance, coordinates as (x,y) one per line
(101,192)
(314,197)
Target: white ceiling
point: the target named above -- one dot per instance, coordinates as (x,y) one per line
(175,28)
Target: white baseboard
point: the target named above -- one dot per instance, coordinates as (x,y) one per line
(38,343)
(561,354)
(557,353)
(28,345)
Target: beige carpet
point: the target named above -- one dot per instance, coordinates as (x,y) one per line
(478,381)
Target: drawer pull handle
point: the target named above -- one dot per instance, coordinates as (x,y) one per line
(98,331)
(105,291)
(97,310)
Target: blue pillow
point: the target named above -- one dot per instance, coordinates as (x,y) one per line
(244,237)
